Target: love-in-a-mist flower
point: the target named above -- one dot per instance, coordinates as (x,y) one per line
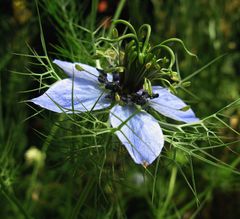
(140,132)
(128,92)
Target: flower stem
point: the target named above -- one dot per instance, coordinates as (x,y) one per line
(116,15)
(148,27)
(170,192)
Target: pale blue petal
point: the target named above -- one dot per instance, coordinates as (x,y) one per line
(171,106)
(84,95)
(141,135)
(89,73)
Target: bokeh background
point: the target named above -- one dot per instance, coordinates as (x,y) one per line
(62,189)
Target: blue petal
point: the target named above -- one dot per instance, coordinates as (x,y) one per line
(84,95)
(171,106)
(88,73)
(141,134)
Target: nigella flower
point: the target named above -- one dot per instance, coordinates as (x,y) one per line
(88,88)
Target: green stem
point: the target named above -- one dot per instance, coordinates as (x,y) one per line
(169,50)
(117,15)
(148,27)
(93,14)
(107,142)
(171,40)
(170,192)
(155,180)
(202,68)
(130,35)
(119,21)
(81,200)
(52,134)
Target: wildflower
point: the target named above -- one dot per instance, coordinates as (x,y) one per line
(88,88)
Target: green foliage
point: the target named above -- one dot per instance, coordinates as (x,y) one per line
(72,166)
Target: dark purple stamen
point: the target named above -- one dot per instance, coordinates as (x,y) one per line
(154,96)
(102,72)
(139,99)
(112,86)
(102,78)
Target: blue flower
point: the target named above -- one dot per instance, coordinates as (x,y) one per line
(138,131)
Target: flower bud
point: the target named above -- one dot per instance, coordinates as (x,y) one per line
(34,156)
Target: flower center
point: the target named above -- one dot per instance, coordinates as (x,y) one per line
(117,93)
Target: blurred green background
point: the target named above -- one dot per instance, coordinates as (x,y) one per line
(66,188)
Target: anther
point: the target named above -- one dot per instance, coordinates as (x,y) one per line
(154,96)
(115,76)
(125,99)
(112,86)
(102,79)
(139,99)
(102,72)
(110,96)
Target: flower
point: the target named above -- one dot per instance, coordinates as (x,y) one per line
(138,131)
